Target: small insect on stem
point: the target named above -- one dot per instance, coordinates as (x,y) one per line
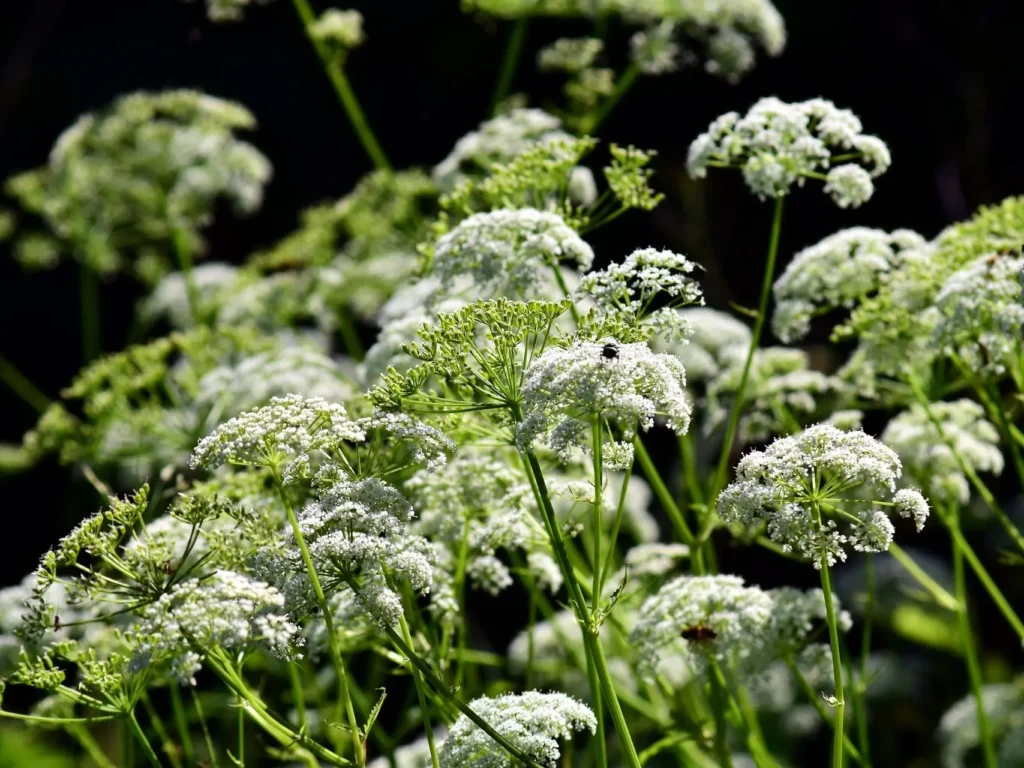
(610,351)
(698,633)
(168,567)
(56,623)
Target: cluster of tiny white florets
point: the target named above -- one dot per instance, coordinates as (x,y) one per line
(655,558)
(777,145)
(981,316)
(170,298)
(801,487)
(569,54)
(781,389)
(505,252)
(654,50)
(286,428)
(228,10)
(254,380)
(836,272)
(742,628)
(572,497)
(497,140)
(477,505)
(226,610)
(716,341)
(928,459)
(566,390)
(960,735)
(338,29)
(532,721)
(626,290)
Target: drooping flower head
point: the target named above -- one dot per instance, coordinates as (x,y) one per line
(836,272)
(822,490)
(707,619)
(929,461)
(627,385)
(777,145)
(532,721)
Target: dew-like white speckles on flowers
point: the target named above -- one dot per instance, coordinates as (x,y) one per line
(778,145)
(505,252)
(929,461)
(822,490)
(627,385)
(836,272)
(534,722)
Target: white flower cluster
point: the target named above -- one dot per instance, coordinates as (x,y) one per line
(572,496)
(626,385)
(286,428)
(929,461)
(338,28)
(777,145)
(959,734)
(170,299)
(836,272)
(506,252)
(569,54)
(358,530)
(477,505)
(252,381)
(708,619)
(800,487)
(228,10)
(626,291)
(496,141)
(655,558)
(654,50)
(980,313)
(781,392)
(227,610)
(716,341)
(532,721)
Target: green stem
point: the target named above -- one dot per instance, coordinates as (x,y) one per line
(20,385)
(592,121)
(662,492)
(89,299)
(509,65)
(345,699)
(181,723)
(417,680)
(81,734)
(865,651)
(590,636)
(816,702)
(338,79)
(755,340)
(970,652)
(140,737)
(298,694)
(620,512)
(349,335)
(187,267)
(719,703)
(837,665)
(941,596)
(598,516)
(986,581)
(167,744)
(600,740)
(210,749)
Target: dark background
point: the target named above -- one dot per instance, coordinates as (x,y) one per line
(939,81)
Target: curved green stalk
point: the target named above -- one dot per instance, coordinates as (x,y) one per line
(591,122)
(20,385)
(166,743)
(662,492)
(755,340)
(140,737)
(187,267)
(181,723)
(417,679)
(339,80)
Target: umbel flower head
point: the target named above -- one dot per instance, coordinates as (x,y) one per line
(532,721)
(627,385)
(709,619)
(152,165)
(929,461)
(508,252)
(227,610)
(820,491)
(980,314)
(960,735)
(836,272)
(626,292)
(339,30)
(778,145)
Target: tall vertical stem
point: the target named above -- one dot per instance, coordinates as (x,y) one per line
(970,650)
(339,80)
(345,698)
(140,737)
(509,64)
(187,268)
(865,651)
(837,662)
(755,340)
(417,679)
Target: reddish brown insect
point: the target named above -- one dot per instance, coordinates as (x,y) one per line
(56,623)
(698,633)
(168,567)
